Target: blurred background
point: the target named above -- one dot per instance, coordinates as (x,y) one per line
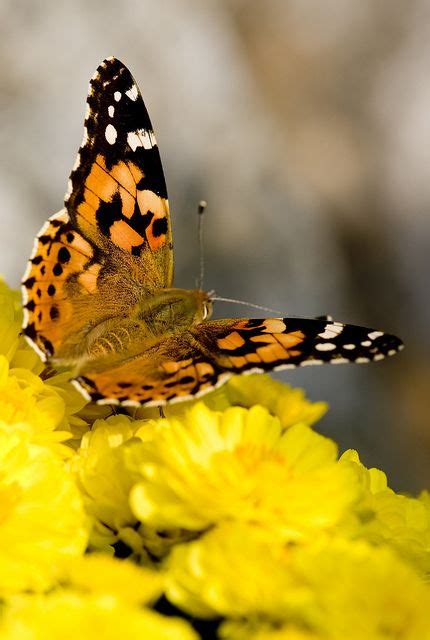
(306,127)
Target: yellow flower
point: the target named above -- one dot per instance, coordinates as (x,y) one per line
(239,464)
(41,515)
(235,570)
(334,588)
(24,397)
(107,469)
(69,615)
(383,516)
(105,479)
(362,591)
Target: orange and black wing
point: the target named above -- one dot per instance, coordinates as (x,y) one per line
(117,193)
(197,361)
(61,276)
(113,241)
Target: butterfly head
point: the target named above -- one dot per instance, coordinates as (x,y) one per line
(200,304)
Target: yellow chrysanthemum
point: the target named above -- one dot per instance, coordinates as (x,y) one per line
(105,479)
(235,570)
(334,588)
(239,464)
(107,468)
(383,516)
(375,594)
(41,515)
(70,615)
(25,397)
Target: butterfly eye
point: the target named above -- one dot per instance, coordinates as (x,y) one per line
(207,310)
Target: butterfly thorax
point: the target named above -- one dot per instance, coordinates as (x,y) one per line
(169,311)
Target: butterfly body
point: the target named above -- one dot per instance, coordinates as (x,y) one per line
(153,320)
(98,291)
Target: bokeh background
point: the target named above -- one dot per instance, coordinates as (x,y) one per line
(306,127)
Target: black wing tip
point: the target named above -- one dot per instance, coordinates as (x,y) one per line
(392,343)
(110,67)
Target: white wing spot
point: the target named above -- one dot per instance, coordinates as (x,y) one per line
(362,360)
(132,93)
(325,346)
(331,331)
(379,356)
(306,363)
(366,343)
(69,188)
(141,138)
(392,352)
(110,134)
(349,346)
(117,96)
(375,334)
(111,110)
(77,161)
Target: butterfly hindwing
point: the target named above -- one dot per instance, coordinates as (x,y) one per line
(279,343)
(176,369)
(117,193)
(212,351)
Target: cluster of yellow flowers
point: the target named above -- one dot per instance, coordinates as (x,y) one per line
(229,518)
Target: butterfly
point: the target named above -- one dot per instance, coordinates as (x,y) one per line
(98,290)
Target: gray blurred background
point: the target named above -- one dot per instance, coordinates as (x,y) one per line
(306,127)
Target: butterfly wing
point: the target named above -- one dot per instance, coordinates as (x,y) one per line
(175,370)
(117,193)
(62,270)
(112,245)
(280,343)
(196,362)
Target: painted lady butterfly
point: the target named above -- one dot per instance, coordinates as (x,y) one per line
(98,288)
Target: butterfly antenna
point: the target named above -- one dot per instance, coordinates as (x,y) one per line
(247,304)
(201,209)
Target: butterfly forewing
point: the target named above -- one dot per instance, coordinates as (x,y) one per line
(112,245)
(117,195)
